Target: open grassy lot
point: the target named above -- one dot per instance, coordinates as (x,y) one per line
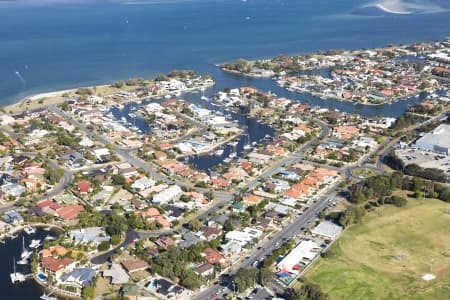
(364,172)
(385,256)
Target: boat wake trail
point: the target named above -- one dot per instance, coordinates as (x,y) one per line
(22,80)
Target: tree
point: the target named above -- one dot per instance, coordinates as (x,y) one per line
(351,215)
(161,77)
(245,278)
(118,84)
(119,180)
(194,225)
(307,291)
(88,292)
(103,246)
(84,91)
(227,226)
(115,239)
(264,276)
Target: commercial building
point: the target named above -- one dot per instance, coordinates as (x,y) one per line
(437,140)
(327,229)
(304,250)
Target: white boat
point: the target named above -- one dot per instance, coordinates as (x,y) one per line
(227,160)
(248,146)
(48,297)
(254,143)
(233,144)
(16,276)
(25,253)
(132,115)
(218,152)
(49,238)
(35,244)
(204,98)
(233,155)
(167,96)
(123,120)
(23,261)
(29,230)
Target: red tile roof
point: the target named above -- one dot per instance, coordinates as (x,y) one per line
(56,264)
(84,187)
(70,212)
(212,256)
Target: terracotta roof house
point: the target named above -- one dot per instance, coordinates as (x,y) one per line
(48,204)
(58,265)
(69,212)
(252,199)
(54,251)
(165,242)
(84,187)
(212,256)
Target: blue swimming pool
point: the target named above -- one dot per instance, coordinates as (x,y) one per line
(42,276)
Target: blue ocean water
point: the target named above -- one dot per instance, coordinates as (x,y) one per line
(46,46)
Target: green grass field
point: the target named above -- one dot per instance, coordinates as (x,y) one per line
(385,256)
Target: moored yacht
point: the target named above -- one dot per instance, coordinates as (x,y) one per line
(35,244)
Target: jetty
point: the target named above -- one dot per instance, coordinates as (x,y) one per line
(48,296)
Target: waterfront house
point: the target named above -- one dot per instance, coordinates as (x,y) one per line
(13,217)
(259,158)
(69,212)
(57,266)
(78,278)
(94,235)
(54,251)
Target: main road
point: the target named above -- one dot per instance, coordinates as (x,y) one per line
(287,232)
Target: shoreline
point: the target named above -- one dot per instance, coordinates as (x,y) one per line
(6,235)
(31,102)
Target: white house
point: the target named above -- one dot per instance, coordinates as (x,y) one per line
(173,193)
(143,184)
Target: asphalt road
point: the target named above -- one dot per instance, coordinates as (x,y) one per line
(130,235)
(288,231)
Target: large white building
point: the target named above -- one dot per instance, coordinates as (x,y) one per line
(172,193)
(437,140)
(327,229)
(303,250)
(243,237)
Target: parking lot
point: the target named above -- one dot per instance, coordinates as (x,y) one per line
(425,159)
